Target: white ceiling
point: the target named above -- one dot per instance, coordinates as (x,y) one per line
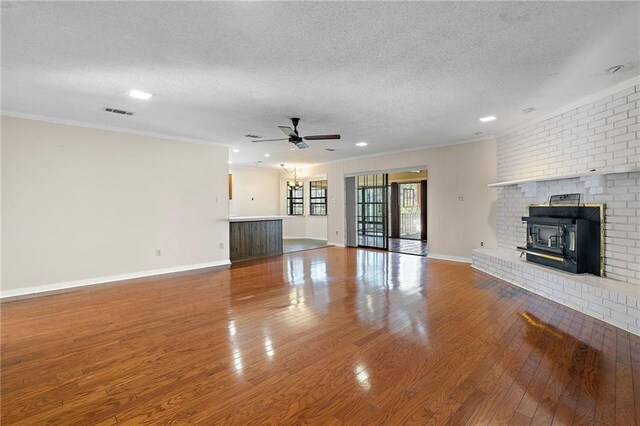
(396,75)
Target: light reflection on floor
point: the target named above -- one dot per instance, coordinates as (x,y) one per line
(387,294)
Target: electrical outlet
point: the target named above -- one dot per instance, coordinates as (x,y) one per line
(481,243)
(221,245)
(158,252)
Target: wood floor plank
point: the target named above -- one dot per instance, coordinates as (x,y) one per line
(328,336)
(606,393)
(635,369)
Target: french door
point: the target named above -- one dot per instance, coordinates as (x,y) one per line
(373,211)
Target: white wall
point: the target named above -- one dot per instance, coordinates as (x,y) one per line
(600,133)
(455,227)
(255,191)
(316,227)
(83,205)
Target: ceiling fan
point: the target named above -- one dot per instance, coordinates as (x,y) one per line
(295,138)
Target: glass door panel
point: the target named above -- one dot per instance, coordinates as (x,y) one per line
(372,211)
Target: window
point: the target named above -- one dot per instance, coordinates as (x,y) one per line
(295,201)
(408,197)
(318,198)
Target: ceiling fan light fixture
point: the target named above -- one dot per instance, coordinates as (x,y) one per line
(294,137)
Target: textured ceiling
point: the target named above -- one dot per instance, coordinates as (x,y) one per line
(396,75)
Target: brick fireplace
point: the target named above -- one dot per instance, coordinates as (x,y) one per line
(592,149)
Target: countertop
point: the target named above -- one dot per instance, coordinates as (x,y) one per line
(255,218)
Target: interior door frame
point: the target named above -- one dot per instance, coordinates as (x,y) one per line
(424,208)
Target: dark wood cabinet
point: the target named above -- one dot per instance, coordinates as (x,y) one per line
(253,239)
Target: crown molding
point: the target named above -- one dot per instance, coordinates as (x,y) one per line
(485,138)
(64,121)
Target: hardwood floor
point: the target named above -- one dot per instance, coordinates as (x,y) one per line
(415,247)
(327,336)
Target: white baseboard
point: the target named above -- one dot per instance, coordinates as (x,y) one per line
(447,257)
(101,280)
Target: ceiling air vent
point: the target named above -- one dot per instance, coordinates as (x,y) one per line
(330,149)
(252,136)
(118,111)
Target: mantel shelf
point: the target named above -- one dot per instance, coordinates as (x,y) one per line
(567,176)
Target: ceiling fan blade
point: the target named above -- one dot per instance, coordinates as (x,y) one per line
(270,140)
(288,131)
(321,137)
(302,145)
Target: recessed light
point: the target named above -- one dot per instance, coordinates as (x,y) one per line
(267,155)
(362,144)
(229,162)
(236,150)
(527,110)
(139,94)
(614,69)
(488,118)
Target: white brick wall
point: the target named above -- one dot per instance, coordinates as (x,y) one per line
(603,135)
(605,299)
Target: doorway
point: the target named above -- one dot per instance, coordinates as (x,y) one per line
(387,211)
(408,212)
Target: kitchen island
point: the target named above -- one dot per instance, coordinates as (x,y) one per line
(251,237)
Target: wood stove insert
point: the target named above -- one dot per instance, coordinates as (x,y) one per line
(566,235)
